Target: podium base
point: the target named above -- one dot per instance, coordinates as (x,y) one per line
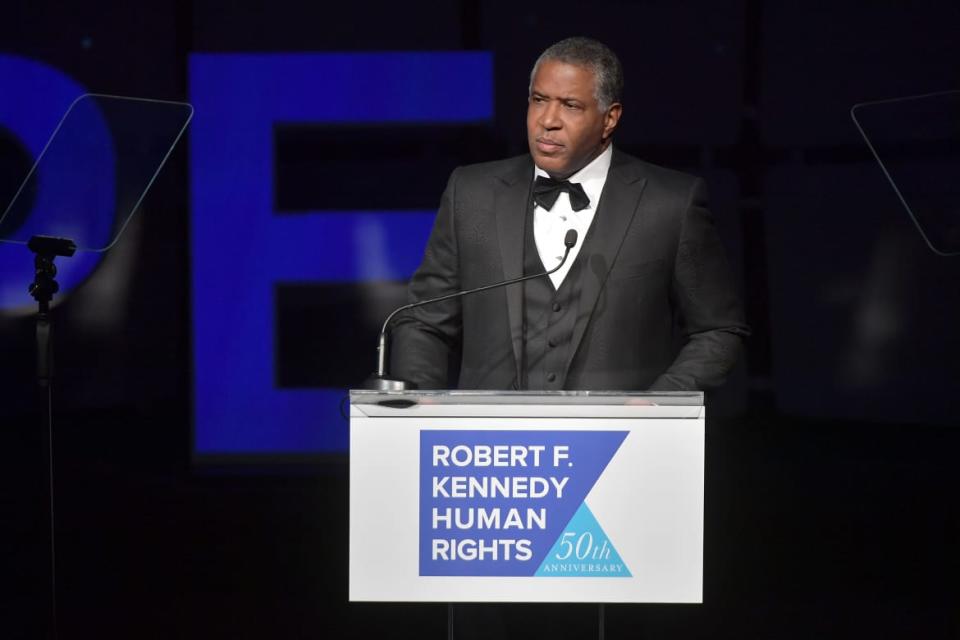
(530,621)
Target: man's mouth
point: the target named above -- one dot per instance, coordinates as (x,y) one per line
(546,145)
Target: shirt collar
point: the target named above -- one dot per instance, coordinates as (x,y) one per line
(592,177)
(595,170)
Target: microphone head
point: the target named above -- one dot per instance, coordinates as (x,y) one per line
(570,240)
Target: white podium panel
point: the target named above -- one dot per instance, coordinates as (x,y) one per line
(526,497)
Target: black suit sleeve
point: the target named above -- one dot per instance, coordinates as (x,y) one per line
(425,338)
(710,312)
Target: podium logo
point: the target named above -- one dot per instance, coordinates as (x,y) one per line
(512,503)
(583,549)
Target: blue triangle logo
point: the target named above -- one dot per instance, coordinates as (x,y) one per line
(583,550)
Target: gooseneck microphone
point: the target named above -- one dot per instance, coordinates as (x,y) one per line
(381,382)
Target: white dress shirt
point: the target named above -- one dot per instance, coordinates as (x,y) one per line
(550,227)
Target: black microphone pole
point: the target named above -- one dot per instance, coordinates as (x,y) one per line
(381,382)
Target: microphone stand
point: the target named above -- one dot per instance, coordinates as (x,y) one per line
(380,380)
(44,285)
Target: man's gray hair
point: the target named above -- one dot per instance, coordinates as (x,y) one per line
(595,56)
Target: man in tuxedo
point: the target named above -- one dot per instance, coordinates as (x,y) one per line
(645,299)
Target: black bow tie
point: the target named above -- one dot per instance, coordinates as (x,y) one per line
(547,190)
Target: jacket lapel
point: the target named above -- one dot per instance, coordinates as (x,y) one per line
(511,197)
(619,202)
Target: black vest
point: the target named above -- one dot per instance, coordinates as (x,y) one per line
(549,316)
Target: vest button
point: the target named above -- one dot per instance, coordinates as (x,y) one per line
(551,343)
(556,306)
(551,377)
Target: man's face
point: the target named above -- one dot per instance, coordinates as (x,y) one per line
(565,127)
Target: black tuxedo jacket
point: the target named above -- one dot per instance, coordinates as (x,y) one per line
(657,308)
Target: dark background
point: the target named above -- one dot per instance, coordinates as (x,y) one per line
(831,474)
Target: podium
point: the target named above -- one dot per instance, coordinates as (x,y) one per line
(479,496)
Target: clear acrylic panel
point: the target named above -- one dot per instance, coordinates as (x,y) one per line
(916,140)
(95,169)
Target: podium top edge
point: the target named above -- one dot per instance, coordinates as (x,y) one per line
(472,397)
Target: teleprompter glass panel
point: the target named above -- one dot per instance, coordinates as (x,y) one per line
(916,140)
(94,171)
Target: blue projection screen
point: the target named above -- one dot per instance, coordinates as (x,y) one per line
(242,246)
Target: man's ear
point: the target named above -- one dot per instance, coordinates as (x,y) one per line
(611,119)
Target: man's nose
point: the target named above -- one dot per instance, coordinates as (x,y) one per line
(549,117)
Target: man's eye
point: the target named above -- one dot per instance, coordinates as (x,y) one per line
(572,105)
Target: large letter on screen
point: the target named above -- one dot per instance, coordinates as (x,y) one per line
(240,246)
